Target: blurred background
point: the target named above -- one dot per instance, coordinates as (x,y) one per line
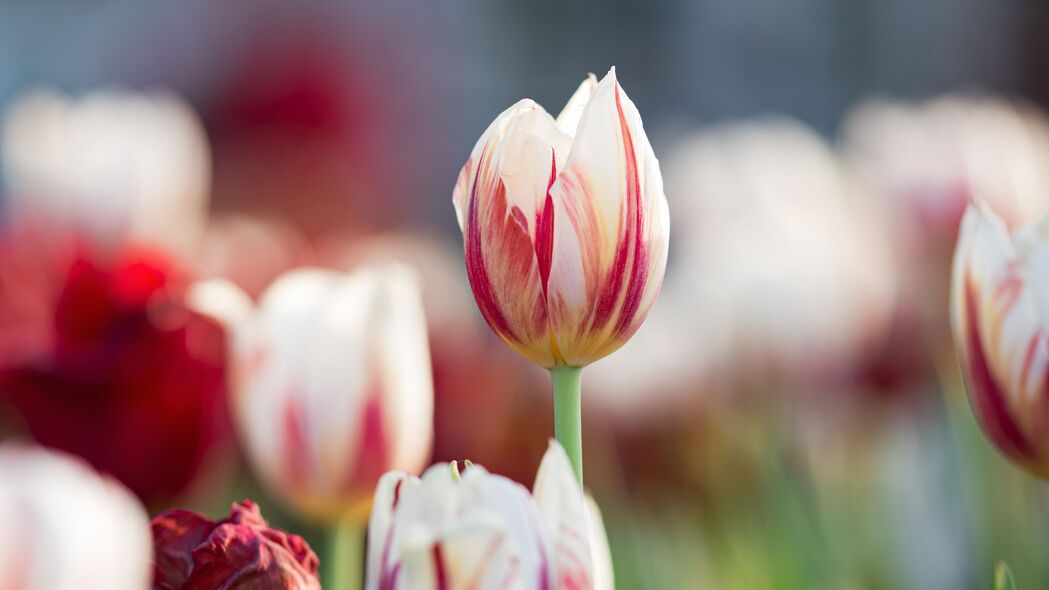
(791,415)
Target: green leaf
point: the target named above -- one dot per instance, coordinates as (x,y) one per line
(1003,578)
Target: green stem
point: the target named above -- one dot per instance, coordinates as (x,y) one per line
(344,567)
(568,418)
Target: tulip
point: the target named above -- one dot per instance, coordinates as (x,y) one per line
(483,531)
(999,296)
(240,552)
(110,166)
(332,386)
(565,234)
(787,271)
(64,527)
(123,375)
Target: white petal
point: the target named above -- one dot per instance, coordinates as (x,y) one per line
(600,553)
(392,489)
(68,527)
(568,120)
(560,500)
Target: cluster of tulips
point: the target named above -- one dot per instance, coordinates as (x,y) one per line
(565,230)
(327,375)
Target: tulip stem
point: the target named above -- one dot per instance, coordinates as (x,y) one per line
(568,418)
(345,557)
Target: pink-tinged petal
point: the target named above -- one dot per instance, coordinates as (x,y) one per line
(611,230)
(561,504)
(1001,336)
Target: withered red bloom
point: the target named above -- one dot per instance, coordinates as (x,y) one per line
(122,373)
(240,551)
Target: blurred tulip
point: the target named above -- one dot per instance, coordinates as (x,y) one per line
(999,297)
(126,376)
(239,552)
(63,527)
(565,225)
(473,375)
(112,166)
(929,160)
(333,385)
(783,270)
(484,531)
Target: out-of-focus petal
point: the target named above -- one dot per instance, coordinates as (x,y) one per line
(334,385)
(1000,332)
(560,500)
(600,552)
(67,528)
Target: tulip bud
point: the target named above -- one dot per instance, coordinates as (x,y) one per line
(63,527)
(239,552)
(484,531)
(999,298)
(565,226)
(332,385)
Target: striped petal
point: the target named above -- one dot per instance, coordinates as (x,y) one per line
(333,385)
(611,230)
(503,207)
(481,532)
(1000,332)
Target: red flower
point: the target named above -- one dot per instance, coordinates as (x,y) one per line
(122,373)
(237,552)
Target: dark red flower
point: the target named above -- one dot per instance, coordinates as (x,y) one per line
(123,374)
(237,552)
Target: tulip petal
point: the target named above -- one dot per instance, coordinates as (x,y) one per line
(600,553)
(560,500)
(568,119)
(381,572)
(502,204)
(1001,335)
(610,232)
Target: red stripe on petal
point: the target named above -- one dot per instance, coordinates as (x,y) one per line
(630,250)
(440,573)
(544,229)
(371,456)
(475,264)
(296,451)
(985,394)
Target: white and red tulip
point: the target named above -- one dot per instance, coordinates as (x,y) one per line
(486,532)
(1000,295)
(333,385)
(65,527)
(565,225)
(109,166)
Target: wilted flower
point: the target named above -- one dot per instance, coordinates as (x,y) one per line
(999,298)
(63,527)
(125,376)
(485,532)
(565,225)
(112,166)
(332,385)
(239,552)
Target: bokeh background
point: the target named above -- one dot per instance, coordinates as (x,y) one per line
(791,416)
